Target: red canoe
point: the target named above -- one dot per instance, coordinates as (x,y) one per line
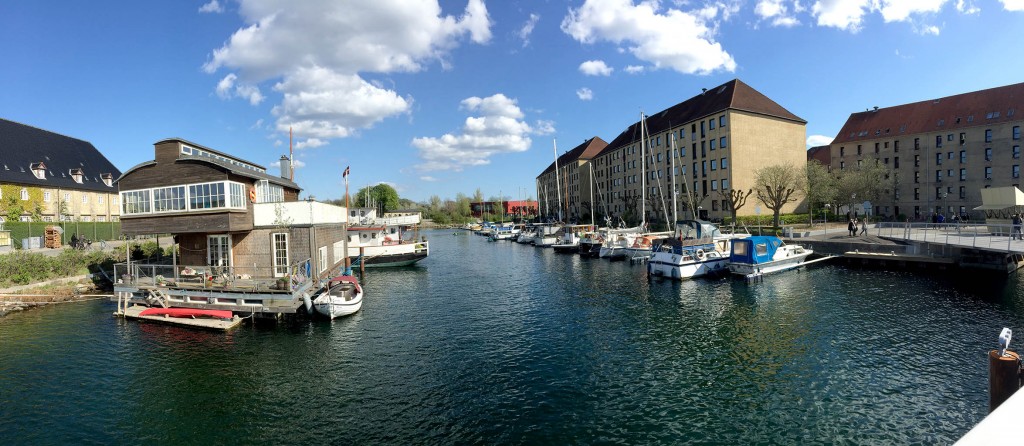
(186,312)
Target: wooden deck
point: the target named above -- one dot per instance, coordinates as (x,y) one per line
(134,311)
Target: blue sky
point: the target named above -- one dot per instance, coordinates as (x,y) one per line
(441,97)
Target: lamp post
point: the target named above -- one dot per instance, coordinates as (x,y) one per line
(853,199)
(827,206)
(943,203)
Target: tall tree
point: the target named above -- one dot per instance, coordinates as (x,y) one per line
(821,186)
(382,195)
(778,185)
(868,182)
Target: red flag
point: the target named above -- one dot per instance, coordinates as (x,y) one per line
(345,173)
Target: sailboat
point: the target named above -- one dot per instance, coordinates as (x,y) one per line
(342,295)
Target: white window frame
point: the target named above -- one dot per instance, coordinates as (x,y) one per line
(24,194)
(234,198)
(280,269)
(209,250)
(46,196)
(322,258)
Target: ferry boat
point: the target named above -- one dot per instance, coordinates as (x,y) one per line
(697,249)
(757,255)
(383,246)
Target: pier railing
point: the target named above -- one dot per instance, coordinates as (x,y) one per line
(1000,237)
(226,278)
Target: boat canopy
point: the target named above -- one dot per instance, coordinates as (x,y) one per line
(754,249)
(696,229)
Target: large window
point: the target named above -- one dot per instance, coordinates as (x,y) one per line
(168,199)
(185,197)
(206,196)
(135,202)
(270,193)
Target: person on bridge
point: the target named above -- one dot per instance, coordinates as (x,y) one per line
(1016,228)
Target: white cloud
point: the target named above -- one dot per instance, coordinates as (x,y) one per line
(634,69)
(901,10)
(777,12)
(318,54)
(669,38)
(843,14)
(925,30)
(310,143)
(542,127)
(967,7)
(214,6)
(321,103)
(585,94)
(1013,5)
(527,29)
(818,140)
(498,129)
(595,68)
(227,88)
(428,178)
(295,164)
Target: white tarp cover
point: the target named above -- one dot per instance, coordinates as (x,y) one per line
(1000,198)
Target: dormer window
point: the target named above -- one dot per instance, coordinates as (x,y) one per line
(108,179)
(39,170)
(77,175)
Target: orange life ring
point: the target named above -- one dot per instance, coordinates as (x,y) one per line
(387,240)
(252,194)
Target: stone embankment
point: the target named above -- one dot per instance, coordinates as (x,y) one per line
(68,289)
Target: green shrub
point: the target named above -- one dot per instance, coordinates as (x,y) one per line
(21,268)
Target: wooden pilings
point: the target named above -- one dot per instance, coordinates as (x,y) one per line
(1003,377)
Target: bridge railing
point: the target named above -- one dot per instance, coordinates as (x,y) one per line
(977,235)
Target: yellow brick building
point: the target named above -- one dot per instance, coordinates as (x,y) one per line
(45,176)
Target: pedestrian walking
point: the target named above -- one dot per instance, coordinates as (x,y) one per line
(852,227)
(864,226)
(1016,228)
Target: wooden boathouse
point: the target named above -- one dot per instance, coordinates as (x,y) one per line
(245,242)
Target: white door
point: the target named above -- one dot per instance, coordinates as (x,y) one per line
(218,248)
(280,246)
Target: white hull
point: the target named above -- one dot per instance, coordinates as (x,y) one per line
(333,307)
(638,253)
(675,266)
(612,252)
(774,266)
(545,241)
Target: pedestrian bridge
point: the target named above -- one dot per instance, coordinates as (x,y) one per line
(987,237)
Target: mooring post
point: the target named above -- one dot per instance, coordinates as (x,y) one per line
(1003,379)
(362,261)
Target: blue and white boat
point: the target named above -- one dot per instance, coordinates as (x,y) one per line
(696,249)
(757,255)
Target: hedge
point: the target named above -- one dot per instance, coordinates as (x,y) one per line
(92,230)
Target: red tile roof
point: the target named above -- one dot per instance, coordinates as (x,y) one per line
(977,108)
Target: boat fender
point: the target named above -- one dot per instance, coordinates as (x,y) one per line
(700,254)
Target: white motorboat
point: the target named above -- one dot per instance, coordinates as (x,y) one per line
(547,235)
(757,255)
(571,236)
(617,240)
(697,249)
(343,296)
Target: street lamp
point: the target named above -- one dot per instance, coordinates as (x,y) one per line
(943,203)
(827,206)
(853,199)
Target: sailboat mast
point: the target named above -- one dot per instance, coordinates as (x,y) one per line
(591,164)
(643,170)
(675,213)
(558,187)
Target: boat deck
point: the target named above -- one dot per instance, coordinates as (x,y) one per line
(135,312)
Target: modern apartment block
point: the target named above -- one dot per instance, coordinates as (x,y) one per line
(943,151)
(568,196)
(46,176)
(701,149)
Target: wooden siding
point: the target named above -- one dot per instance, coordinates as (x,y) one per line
(214,222)
(167,174)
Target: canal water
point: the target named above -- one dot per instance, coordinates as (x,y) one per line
(500,343)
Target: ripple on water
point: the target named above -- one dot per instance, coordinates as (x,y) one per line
(504,343)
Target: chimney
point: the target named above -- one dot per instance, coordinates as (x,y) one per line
(286,167)
(876,108)
(703,90)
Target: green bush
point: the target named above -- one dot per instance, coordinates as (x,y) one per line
(21,268)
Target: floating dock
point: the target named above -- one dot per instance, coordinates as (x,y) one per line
(135,312)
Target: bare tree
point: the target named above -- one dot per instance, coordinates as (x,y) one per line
(777,185)
(736,199)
